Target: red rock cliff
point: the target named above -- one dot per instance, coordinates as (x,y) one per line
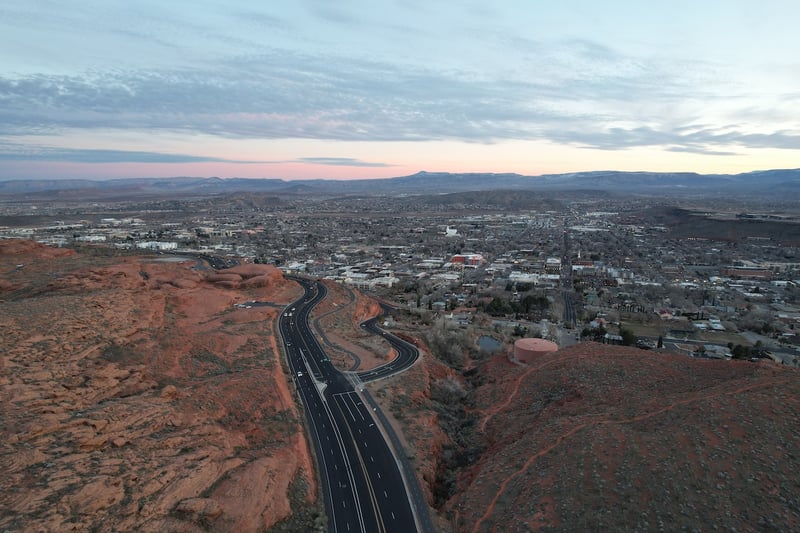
(137,396)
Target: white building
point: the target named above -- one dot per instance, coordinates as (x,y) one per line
(523,277)
(92,238)
(156,245)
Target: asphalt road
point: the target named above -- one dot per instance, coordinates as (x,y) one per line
(570,318)
(361,481)
(407,354)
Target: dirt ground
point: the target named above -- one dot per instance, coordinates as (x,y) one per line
(595,436)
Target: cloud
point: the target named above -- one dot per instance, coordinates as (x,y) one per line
(280,96)
(331,12)
(19,152)
(698,150)
(583,87)
(702,140)
(340,161)
(14,152)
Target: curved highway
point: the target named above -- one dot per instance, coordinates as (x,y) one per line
(407,354)
(363,487)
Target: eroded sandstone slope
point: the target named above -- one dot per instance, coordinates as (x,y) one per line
(136,395)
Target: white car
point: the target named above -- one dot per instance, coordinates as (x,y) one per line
(299,374)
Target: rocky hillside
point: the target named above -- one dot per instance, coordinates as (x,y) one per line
(606,438)
(137,395)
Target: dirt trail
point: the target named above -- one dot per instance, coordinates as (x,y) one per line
(561,438)
(496,409)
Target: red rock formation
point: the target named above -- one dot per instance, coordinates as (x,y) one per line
(246,276)
(136,396)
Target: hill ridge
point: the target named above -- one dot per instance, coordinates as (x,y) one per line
(767,182)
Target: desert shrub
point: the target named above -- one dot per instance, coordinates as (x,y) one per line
(453,402)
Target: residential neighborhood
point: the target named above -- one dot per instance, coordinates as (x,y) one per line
(618,266)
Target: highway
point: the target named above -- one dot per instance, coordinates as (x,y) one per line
(570,316)
(407,354)
(362,484)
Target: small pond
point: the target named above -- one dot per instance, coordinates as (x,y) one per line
(488,344)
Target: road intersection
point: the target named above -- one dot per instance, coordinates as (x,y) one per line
(363,485)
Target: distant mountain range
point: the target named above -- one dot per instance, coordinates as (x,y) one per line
(761,183)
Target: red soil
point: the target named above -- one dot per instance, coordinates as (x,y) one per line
(610,438)
(340,316)
(136,396)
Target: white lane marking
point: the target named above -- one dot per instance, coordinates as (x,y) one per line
(349,411)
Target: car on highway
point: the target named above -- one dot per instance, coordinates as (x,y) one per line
(299,374)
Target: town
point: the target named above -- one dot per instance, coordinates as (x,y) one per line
(704,277)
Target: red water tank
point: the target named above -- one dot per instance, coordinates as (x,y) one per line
(526,350)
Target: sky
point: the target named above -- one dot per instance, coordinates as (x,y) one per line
(300,89)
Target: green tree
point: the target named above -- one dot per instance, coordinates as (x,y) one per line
(740,352)
(628,338)
(596,334)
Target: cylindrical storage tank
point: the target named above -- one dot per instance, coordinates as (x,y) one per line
(526,350)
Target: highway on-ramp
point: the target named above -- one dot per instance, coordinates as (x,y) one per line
(407,354)
(362,484)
